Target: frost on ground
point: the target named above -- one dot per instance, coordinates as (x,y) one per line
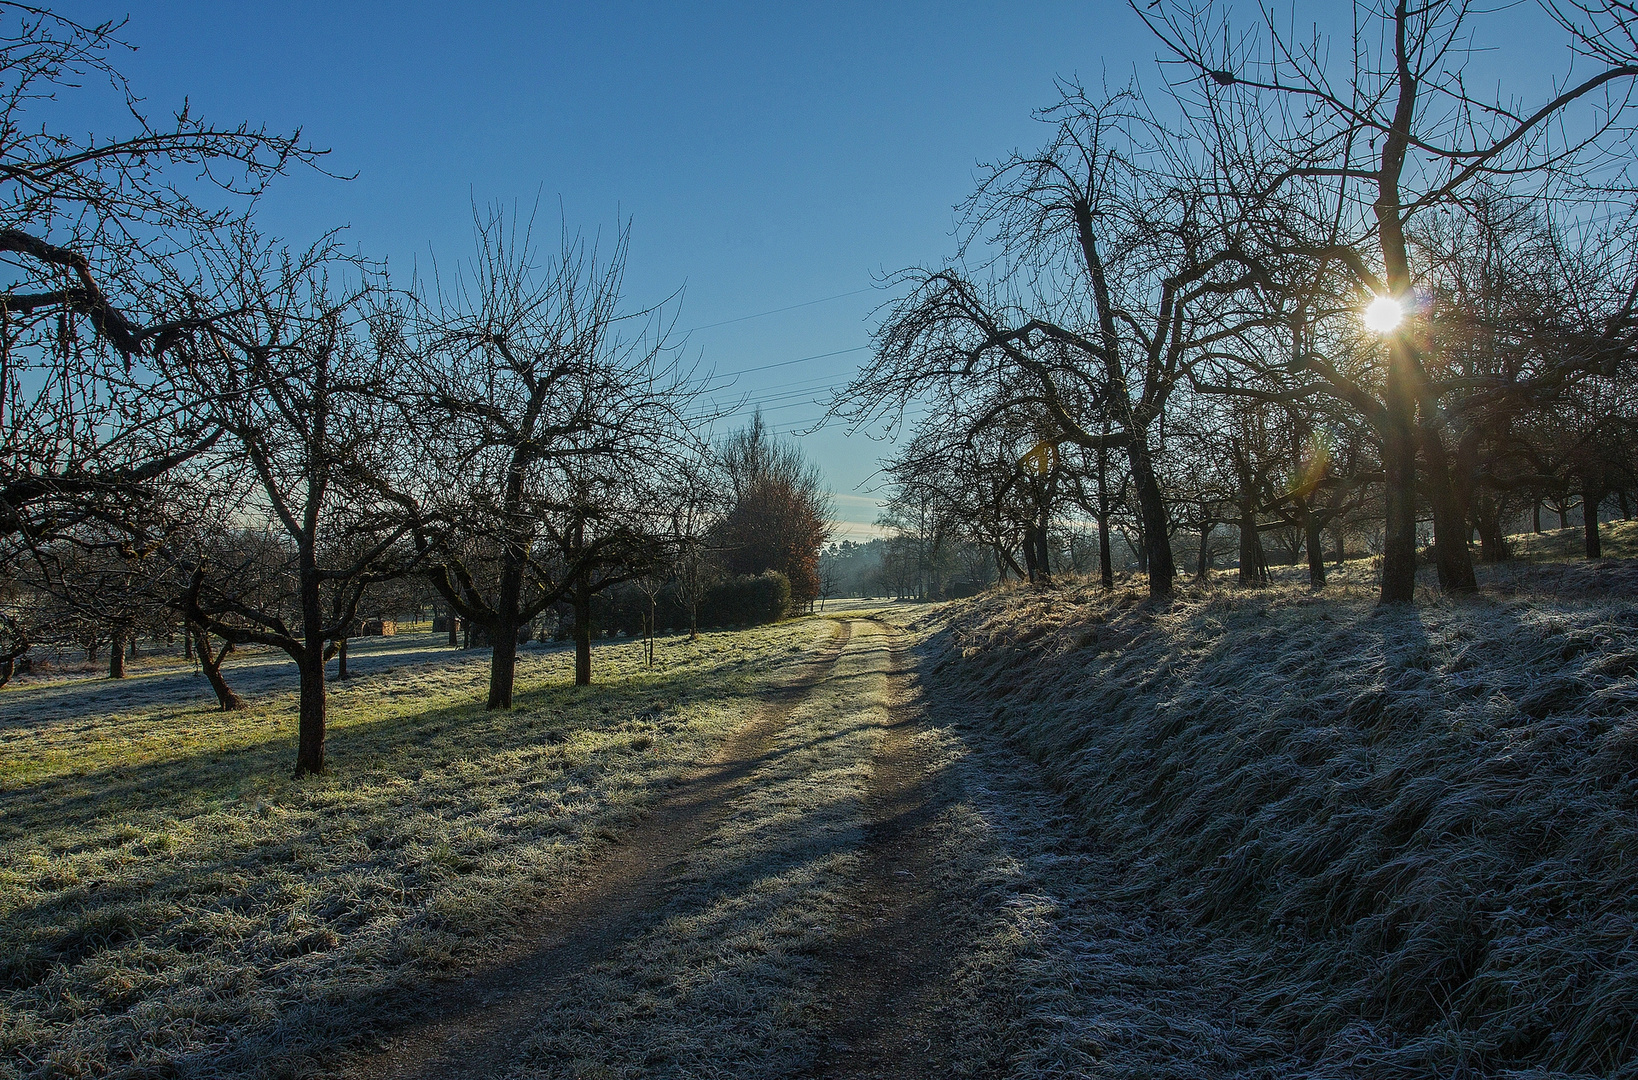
(1310,836)
(1265,833)
(171,903)
(723,981)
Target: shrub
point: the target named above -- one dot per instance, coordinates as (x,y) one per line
(747,599)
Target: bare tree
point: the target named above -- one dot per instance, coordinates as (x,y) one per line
(301,391)
(1116,276)
(542,391)
(95,233)
(1367,138)
(697,504)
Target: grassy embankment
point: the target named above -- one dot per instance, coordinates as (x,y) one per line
(1327,838)
(171,902)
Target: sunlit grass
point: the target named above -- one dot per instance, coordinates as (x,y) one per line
(170,898)
(1617,539)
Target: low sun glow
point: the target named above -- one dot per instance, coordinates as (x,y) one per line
(1383,314)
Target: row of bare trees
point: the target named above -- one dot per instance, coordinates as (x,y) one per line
(1157,314)
(207,430)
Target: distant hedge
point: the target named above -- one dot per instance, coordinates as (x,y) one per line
(742,600)
(747,600)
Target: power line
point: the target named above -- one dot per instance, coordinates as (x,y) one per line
(788,363)
(776,311)
(753,406)
(804,388)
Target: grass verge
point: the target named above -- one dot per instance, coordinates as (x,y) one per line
(1313,836)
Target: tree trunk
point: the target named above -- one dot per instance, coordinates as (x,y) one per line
(1563,514)
(116,654)
(211,663)
(1535,520)
(1399,479)
(1450,523)
(1202,565)
(187,644)
(1035,555)
(582,633)
(1487,520)
(310,665)
(1315,538)
(1157,537)
(1590,499)
(341,659)
(1253,563)
(1626,506)
(454,627)
(503,662)
(1342,542)
(310,729)
(1403,382)
(1106,563)
(1042,539)
(503,634)
(1157,540)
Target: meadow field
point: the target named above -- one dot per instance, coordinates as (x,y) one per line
(171,901)
(1037,833)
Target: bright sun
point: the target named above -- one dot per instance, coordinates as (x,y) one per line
(1383,314)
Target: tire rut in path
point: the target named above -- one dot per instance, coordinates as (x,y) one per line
(471,1028)
(889,964)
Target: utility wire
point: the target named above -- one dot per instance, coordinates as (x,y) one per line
(789,390)
(776,311)
(788,363)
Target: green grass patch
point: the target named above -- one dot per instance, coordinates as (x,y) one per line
(1618,540)
(172,902)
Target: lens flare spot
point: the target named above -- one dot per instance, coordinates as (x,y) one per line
(1383,314)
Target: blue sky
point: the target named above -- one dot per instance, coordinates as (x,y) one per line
(767,155)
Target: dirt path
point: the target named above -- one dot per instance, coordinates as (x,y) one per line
(472,1028)
(807,841)
(887,967)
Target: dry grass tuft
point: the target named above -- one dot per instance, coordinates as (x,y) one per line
(1325,838)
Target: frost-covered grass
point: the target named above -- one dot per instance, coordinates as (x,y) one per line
(1310,836)
(724,980)
(172,903)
